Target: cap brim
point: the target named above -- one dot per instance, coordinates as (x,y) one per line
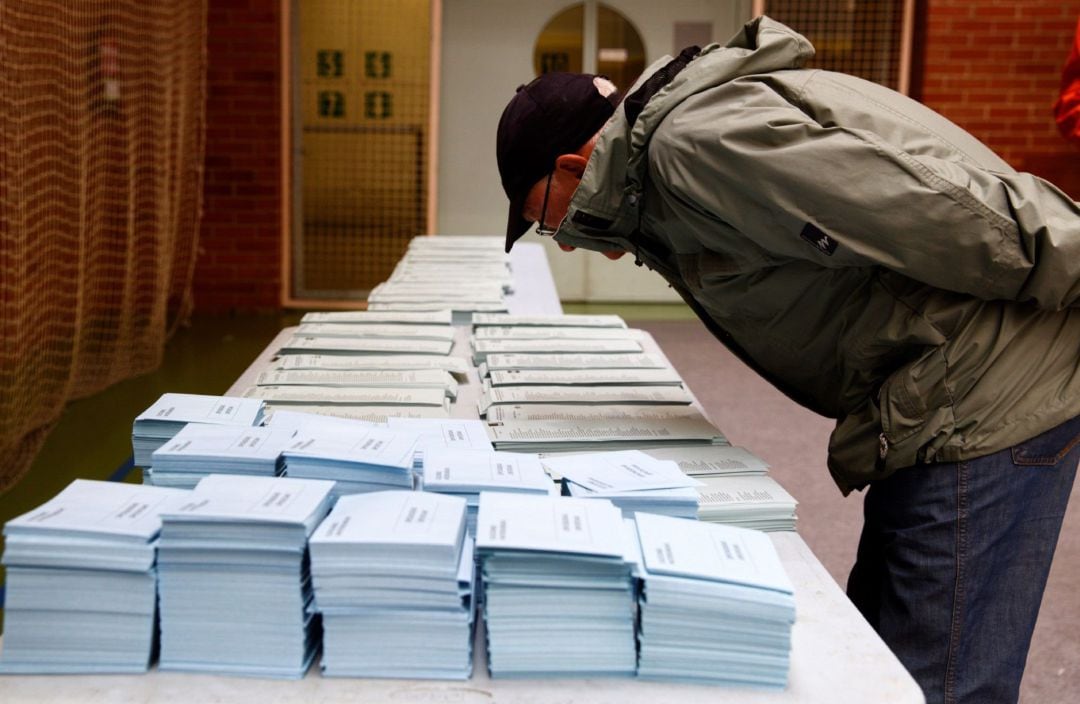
(516,226)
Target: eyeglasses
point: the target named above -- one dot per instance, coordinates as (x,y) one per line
(540,228)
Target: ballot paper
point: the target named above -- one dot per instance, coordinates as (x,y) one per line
(659,395)
(358,459)
(457,306)
(235,593)
(716,606)
(418,379)
(81,584)
(451,433)
(504,413)
(558,593)
(555,333)
(712,461)
(371,414)
(561,362)
(352,396)
(290,421)
(398,332)
(199,450)
(458,366)
(307,344)
(628,470)
(483,348)
(467,473)
(750,502)
(567,320)
(171,412)
(600,435)
(586,377)
(367,317)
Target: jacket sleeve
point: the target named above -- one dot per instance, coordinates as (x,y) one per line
(1067,107)
(763,169)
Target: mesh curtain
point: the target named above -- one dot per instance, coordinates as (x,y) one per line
(851,36)
(101,150)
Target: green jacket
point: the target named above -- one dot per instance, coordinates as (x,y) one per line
(871,259)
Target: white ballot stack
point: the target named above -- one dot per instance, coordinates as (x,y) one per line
(81,581)
(357,457)
(466,473)
(558,592)
(716,605)
(442,434)
(751,502)
(164,419)
(630,479)
(199,450)
(394,581)
(235,588)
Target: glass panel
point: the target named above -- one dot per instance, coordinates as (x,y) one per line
(620,52)
(560,44)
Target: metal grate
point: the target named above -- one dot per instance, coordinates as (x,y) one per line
(361,171)
(863,38)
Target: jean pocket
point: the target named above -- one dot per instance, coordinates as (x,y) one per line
(1049,448)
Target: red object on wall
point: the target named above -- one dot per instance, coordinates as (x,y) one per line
(1067,107)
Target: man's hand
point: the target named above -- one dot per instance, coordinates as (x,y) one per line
(610,254)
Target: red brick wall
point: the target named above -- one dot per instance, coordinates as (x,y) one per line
(239,261)
(994,67)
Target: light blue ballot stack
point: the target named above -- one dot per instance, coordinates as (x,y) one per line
(442,434)
(358,458)
(630,479)
(81,582)
(199,449)
(466,473)
(160,422)
(716,606)
(234,581)
(558,592)
(394,581)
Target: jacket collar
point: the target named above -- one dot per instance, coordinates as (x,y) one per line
(604,212)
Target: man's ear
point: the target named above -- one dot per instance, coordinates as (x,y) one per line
(574,164)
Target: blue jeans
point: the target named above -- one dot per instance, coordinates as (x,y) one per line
(953,561)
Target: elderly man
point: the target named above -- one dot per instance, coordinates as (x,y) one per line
(881,267)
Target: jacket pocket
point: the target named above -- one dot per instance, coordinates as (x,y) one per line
(1049,448)
(916,410)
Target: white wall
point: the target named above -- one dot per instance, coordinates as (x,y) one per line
(487,48)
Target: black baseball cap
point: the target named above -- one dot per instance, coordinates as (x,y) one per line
(554,115)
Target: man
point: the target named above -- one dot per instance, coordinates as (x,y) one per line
(881,267)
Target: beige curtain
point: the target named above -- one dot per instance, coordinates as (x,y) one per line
(101,152)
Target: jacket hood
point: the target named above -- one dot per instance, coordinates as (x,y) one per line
(763,45)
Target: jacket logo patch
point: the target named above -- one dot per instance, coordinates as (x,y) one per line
(822,242)
(589,220)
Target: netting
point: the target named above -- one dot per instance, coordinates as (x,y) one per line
(101,150)
(857,37)
(363,69)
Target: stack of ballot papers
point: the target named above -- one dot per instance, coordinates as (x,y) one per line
(357,457)
(368,414)
(544,321)
(81,580)
(558,592)
(458,366)
(394,396)
(601,433)
(234,581)
(451,433)
(394,580)
(716,605)
(349,379)
(719,461)
(750,502)
(199,449)
(466,473)
(158,423)
(324,345)
(631,480)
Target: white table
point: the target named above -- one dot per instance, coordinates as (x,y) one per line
(835,658)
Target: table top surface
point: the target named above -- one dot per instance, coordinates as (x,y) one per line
(836,656)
